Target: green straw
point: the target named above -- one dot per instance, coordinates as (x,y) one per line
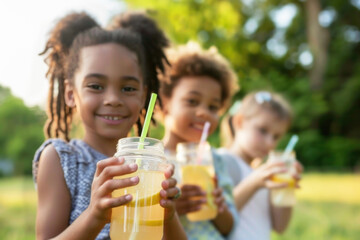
(147,121)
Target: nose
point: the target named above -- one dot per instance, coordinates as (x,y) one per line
(203,112)
(112,98)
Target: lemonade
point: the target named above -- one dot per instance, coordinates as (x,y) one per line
(202,175)
(142,218)
(283,197)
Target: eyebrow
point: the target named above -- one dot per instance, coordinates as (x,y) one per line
(198,94)
(103,77)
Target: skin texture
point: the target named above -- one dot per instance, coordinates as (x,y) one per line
(255,137)
(108,93)
(185,113)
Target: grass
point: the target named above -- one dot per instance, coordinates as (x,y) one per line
(328,208)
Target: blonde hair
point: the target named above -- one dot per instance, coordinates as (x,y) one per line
(251,105)
(192,60)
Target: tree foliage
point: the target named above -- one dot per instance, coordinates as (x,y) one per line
(269,54)
(21,131)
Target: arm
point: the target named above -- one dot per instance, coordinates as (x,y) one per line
(224,220)
(54,202)
(259,178)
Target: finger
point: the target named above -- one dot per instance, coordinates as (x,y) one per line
(190,194)
(275,185)
(168,183)
(169,172)
(112,184)
(106,203)
(192,188)
(299,167)
(110,172)
(217,192)
(275,170)
(169,193)
(188,206)
(107,162)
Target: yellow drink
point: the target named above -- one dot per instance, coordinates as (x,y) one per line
(283,197)
(142,218)
(202,175)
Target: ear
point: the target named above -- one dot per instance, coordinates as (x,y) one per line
(237,121)
(69,95)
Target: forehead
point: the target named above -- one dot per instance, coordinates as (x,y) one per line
(202,85)
(109,58)
(270,120)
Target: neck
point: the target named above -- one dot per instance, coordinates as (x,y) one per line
(103,145)
(238,151)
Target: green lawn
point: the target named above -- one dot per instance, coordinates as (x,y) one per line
(328,208)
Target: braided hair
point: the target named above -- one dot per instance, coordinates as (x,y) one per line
(78,30)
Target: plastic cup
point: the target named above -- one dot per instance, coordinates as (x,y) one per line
(143,217)
(199,173)
(284,197)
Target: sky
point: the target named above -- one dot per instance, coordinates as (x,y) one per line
(24,27)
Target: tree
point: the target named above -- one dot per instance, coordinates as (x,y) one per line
(21,131)
(312,59)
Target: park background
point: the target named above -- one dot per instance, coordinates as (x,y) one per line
(308,50)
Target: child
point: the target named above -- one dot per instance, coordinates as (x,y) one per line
(103,75)
(256,127)
(195,90)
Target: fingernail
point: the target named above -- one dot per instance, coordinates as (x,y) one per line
(128,197)
(134,179)
(120,159)
(133,166)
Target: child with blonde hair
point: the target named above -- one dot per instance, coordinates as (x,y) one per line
(195,90)
(253,130)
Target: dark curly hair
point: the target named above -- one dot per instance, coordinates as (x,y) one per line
(135,31)
(192,60)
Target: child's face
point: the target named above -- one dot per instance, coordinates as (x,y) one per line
(258,135)
(108,90)
(194,101)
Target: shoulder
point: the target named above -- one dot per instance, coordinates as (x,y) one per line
(51,153)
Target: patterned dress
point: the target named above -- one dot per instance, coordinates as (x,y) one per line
(78,161)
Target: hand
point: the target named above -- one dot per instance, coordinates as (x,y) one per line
(298,171)
(219,199)
(261,176)
(104,184)
(192,197)
(169,193)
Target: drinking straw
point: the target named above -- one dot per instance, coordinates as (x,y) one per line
(203,138)
(147,121)
(290,146)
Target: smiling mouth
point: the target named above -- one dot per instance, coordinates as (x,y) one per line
(198,126)
(112,117)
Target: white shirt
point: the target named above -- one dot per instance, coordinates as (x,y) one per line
(254,219)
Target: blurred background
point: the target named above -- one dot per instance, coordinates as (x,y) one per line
(308,50)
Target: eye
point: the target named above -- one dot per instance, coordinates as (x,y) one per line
(128,89)
(214,108)
(95,86)
(192,102)
(263,130)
